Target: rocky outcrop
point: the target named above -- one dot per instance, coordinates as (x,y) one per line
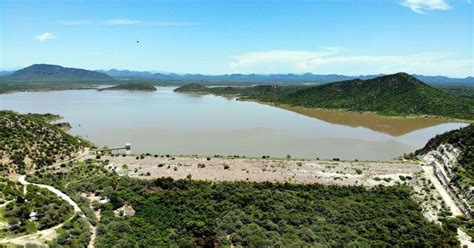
(444,160)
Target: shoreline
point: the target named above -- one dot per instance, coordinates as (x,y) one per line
(345,111)
(238,97)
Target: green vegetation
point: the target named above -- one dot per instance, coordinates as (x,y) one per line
(462,139)
(48,117)
(186,213)
(11,85)
(396,95)
(48,208)
(460,91)
(43,77)
(132,87)
(29,142)
(74,233)
(463,173)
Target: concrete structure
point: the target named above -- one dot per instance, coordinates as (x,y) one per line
(128,148)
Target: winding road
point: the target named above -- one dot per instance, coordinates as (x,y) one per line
(40,237)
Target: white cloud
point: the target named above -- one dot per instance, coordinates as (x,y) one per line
(75,23)
(45,36)
(171,24)
(333,60)
(421,6)
(121,22)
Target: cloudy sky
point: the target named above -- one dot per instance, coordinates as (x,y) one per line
(353,37)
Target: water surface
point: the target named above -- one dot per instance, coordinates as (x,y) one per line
(165,122)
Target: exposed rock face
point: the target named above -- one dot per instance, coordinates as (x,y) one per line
(444,160)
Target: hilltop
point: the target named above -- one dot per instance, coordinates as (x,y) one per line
(45,71)
(132,87)
(395,95)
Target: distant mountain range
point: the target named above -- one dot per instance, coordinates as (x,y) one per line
(281,78)
(128,73)
(5,73)
(45,71)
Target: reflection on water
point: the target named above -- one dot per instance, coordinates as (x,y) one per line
(394,126)
(165,122)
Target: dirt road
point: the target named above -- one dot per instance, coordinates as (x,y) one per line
(41,237)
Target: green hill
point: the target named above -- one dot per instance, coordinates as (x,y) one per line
(29,142)
(397,94)
(44,71)
(192,88)
(132,87)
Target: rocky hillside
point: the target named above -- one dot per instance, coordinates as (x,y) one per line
(28,142)
(452,157)
(457,145)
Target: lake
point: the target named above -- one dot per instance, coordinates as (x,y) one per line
(165,122)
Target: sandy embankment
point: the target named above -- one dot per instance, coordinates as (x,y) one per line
(259,170)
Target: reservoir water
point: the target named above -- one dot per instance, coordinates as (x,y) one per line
(165,122)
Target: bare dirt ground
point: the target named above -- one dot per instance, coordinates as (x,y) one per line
(259,170)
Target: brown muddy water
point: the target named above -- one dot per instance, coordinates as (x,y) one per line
(165,122)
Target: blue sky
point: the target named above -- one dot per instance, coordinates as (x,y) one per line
(432,37)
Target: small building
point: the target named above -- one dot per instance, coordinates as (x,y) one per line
(128,148)
(126,211)
(33,216)
(104,200)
